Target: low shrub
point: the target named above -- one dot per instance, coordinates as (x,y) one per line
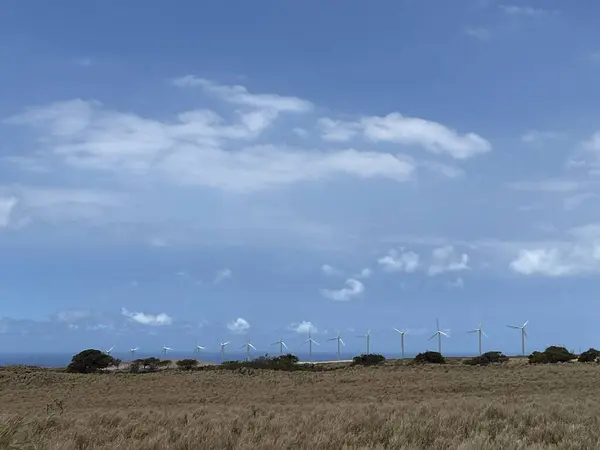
(430,357)
(368,359)
(283,362)
(552,355)
(590,355)
(187,364)
(487,358)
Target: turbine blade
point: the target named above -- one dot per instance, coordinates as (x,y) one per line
(434,335)
(526,322)
(524,332)
(251,346)
(333,339)
(484,333)
(444,334)
(342,341)
(437,322)
(514,327)
(283,343)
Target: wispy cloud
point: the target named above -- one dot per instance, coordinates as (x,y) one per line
(546,185)
(527,11)
(222,275)
(537,137)
(399,261)
(6,206)
(331,271)
(238,325)
(148,319)
(303,327)
(479,33)
(352,288)
(446,259)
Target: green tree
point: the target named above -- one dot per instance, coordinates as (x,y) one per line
(589,355)
(430,357)
(89,361)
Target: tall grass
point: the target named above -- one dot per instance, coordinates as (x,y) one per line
(515,406)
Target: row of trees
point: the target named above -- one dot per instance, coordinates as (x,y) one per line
(90,361)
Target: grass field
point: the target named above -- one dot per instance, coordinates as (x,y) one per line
(513,406)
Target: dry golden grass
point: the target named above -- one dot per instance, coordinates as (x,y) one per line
(515,406)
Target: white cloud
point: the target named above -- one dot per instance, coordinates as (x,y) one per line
(544,261)
(336,130)
(527,11)
(303,327)
(148,319)
(6,207)
(445,259)
(352,288)
(546,185)
(73,315)
(197,148)
(537,137)
(365,273)
(578,256)
(399,261)
(222,275)
(480,33)
(412,131)
(238,325)
(459,283)
(55,204)
(576,200)
(239,95)
(331,271)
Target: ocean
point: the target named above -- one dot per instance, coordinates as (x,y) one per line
(54,360)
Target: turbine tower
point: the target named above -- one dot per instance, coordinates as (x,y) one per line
(368,339)
(133,350)
(248,346)
(310,341)
(402,333)
(523,334)
(479,332)
(340,342)
(439,333)
(281,345)
(223,345)
(166,349)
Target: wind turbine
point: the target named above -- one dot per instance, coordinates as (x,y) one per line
(402,333)
(281,345)
(109,350)
(523,334)
(166,349)
(248,346)
(223,345)
(480,332)
(368,338)
(133,350)
(198,348)
(310,341)
(340,341)
(439,333)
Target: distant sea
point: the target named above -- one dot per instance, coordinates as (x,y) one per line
(62,359)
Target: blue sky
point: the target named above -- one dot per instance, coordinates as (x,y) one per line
(241,170)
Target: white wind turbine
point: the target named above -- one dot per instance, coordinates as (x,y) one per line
(402,333)
(439,333)
(223,345)
(166,349)
(132,351)
(198,348)
(523,334)
(368,340)
(248,346)
(281,345)
(310,341)
(479,332)
(340,342)
(109,350)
